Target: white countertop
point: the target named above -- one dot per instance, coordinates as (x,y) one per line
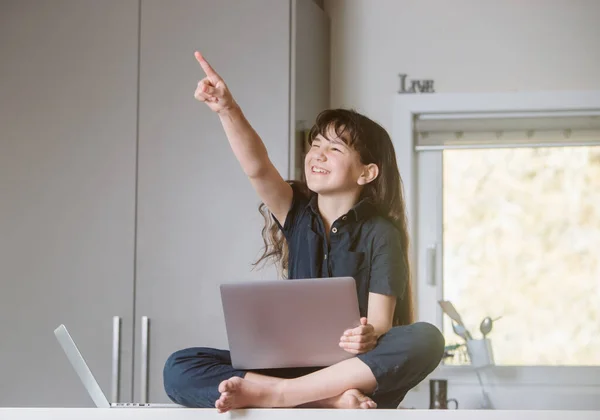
(287,414)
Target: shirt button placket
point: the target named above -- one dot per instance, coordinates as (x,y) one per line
(334,231)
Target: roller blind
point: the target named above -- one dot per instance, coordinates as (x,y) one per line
(440,131)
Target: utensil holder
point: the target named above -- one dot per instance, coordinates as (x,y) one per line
(480,352)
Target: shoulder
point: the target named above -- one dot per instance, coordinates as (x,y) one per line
(383,232)
(300,199)
(383,226)
(300,191)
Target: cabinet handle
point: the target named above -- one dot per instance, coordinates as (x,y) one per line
(431,265)
(116,352)
(144,367)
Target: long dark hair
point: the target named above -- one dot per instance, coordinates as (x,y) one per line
(374,145)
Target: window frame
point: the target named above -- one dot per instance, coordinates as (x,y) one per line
(425,191)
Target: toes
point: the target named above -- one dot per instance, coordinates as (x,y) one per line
(223,400)
(227,385)
(366,402)
(369,404)
(227,389)
(222,386)
(223,403)
(219,406)
(354,402)
(362,398)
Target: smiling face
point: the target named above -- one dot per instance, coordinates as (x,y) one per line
(331,166)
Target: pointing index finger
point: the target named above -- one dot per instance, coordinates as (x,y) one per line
(210,72)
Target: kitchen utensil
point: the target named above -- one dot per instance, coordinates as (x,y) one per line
(486,325)
(461,331)
(451,311)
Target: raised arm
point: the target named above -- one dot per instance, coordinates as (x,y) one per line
(247,146)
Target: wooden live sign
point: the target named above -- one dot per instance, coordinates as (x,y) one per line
(415,86)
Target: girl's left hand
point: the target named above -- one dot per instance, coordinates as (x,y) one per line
(360,339)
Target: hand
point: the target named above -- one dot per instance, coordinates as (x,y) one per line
(360,339)
(212,89)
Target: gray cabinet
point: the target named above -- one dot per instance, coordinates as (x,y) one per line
(68,94)
(198,220)
(120,194)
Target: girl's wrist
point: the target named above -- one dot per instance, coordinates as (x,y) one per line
(232,111)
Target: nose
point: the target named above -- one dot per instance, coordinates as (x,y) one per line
(320,156)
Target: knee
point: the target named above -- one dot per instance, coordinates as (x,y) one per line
(428,340)
(175,360)
(174,370)
(419,341)
(172,374)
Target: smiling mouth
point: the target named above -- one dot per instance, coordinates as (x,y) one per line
(317,170)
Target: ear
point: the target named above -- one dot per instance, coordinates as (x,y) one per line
(369,173)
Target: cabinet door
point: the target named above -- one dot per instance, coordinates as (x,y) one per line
(310,61)
(68,90)
(198,219)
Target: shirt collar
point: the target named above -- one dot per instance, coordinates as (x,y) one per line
(361,210)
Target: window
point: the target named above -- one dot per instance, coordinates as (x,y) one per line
(521,241)
(503,193)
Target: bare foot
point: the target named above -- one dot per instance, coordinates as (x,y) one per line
(242,393)
(350,399)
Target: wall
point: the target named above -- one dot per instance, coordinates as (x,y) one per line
(467,46)
(464,45)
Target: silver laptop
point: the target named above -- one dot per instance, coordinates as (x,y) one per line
(86,376)
(289,323)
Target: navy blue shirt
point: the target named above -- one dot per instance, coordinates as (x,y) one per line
(362,244)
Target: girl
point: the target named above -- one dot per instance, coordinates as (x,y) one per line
(348,220)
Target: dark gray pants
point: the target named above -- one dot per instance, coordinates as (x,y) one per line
(402,358)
